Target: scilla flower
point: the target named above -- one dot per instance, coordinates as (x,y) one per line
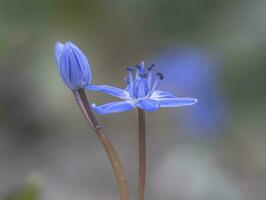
(140,92)
(72,65)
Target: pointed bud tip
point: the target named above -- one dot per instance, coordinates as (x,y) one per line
(73,65)
(58,43)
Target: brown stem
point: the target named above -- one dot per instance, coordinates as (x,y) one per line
(85,108)
(142,154)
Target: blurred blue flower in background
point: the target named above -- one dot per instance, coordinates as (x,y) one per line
(192,71)
(139,92)
(72,65)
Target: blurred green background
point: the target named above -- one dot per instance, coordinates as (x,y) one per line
(42,130)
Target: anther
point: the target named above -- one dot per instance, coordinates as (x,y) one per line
(150,67)
(143,75)
(129,68)
(160,75)
(138,66)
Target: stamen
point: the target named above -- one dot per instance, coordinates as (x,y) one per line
(140,70)
(150,67)
(126,79)
(160,75)
(130,76)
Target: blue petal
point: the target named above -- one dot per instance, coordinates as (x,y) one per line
(113,91)
(83,62)
(143,89)
(176,102)
(149,105)
(140,88)
(167,99)
(114,107)
(149,79)
(64,68)
(57,51)
(162,94)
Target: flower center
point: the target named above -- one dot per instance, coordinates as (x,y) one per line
(141,87)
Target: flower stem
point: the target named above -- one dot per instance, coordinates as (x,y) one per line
(85,108)
(142,154)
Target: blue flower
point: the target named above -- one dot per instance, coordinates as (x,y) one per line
(140,92)
(72,65)
(193,70)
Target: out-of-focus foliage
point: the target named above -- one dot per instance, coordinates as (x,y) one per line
(29,191)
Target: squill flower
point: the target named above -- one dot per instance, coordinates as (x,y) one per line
(140,92)
(72,65)
(74,70)
(195,71)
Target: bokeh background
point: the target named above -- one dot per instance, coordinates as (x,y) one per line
(213,50)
